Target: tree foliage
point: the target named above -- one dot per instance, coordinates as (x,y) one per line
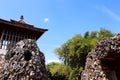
(105,33)
(58,71)
(74,51)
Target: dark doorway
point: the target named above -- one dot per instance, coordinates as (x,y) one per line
(111,66)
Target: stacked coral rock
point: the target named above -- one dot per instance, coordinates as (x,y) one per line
(97,66)
(2,61)
(24,62)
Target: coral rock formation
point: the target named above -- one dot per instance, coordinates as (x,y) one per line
(24,61)
(103,62)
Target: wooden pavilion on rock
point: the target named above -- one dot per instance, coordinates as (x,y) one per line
(13,31)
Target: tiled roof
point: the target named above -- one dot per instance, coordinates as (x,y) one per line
(22,25)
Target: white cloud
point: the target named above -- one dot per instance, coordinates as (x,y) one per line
(46,19)
(49,61)
(111,13)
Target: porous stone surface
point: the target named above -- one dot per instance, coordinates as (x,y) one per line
(24,62)
(2,61)
(103,62)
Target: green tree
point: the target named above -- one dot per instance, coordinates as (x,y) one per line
(73,53)
(94,34)
(58,71)
(86,34)
(104,33)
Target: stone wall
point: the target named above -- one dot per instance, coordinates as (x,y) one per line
(23,62)
(103,62)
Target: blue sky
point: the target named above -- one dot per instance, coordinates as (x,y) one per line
(63,18)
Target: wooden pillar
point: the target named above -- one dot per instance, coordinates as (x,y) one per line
(15,38)
(35,37)
(9,39)
(5,41)
(1,39)
(25,35)
(11,36)
(12,39)
(32,36)
(18,37)
(21,36)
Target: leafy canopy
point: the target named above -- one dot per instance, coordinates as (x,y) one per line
(74,51)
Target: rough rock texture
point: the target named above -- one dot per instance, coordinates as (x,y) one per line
(24,62)
(2,61)
(103,63)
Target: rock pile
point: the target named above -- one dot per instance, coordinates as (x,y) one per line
(103,62)
(2,61)
(24,62)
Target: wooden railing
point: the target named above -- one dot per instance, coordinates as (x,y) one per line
(9,38)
